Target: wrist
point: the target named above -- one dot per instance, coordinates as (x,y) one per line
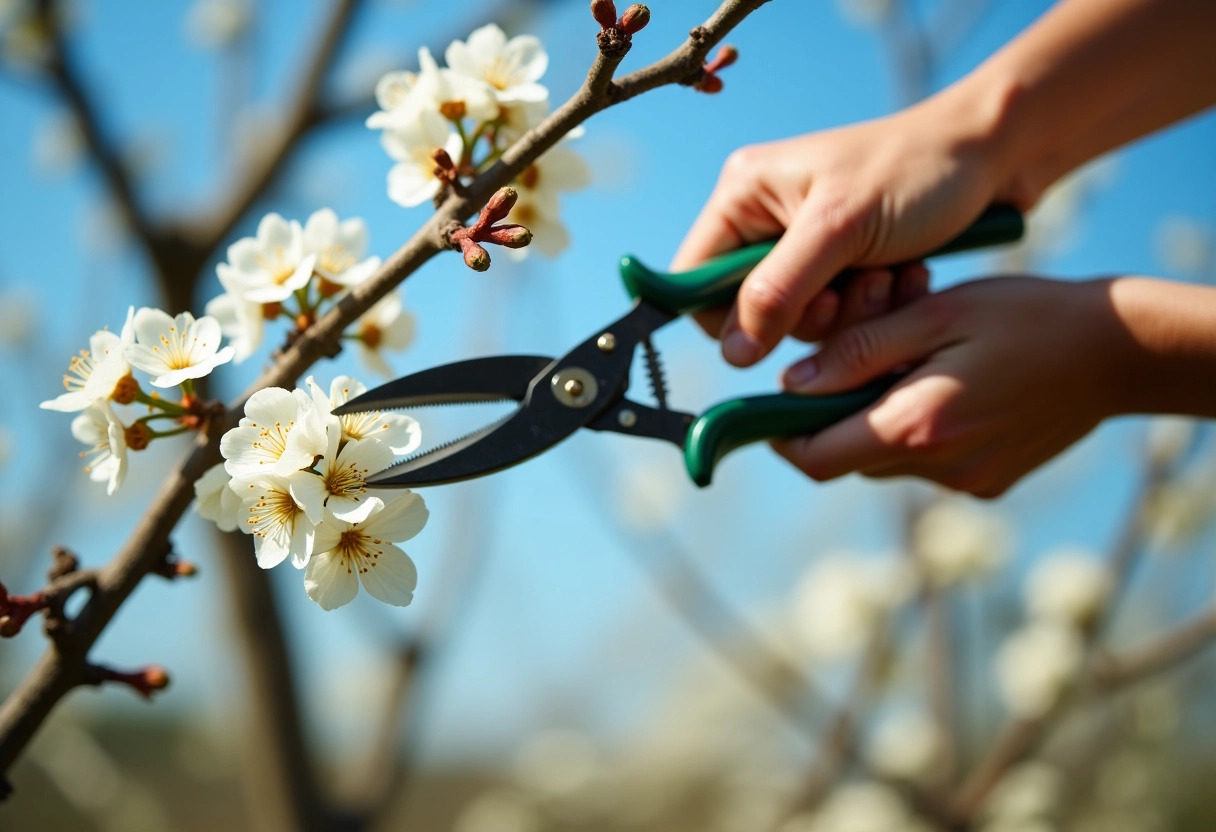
(1162,353)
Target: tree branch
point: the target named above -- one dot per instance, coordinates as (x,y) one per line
(1120,669)
(62,666)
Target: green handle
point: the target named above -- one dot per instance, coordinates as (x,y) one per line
(715,283)
(738,422)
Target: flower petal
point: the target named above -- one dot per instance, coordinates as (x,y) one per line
(392,577)
(329,581)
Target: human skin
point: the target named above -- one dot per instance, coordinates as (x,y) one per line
(886,191)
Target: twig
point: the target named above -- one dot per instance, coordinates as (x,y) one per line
(62,666)
(1120,669)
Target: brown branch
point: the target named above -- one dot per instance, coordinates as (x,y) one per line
(1120,669)
(257,173)
(62,666)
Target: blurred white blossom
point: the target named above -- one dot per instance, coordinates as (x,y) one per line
(649,492)
(105,436)
(955,540)
(1068,586)
(1033,666)
(339,248)
(906,745)
(499,810)
(538,207)
(511,68)
(1028,792)
(556,764)
(386,326)
(412,144)
(216,501)
(866,12)
(1185,246)
(19,315)
(842,599)
(215,24)
(861,807)
(1168,438)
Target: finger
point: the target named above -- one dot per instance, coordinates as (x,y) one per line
(911,283)
(854,444)
(711,320)
(772,299)
(862,352)
(869,293)
(712,233)
(819,318)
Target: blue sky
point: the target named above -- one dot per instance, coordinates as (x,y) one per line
(560,621)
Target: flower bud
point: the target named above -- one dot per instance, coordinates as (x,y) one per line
(499,206)
(510,235)
(710,84)
(726,56)
(475,257)
(635,19)
(604,12)
(125,390)
(137,436)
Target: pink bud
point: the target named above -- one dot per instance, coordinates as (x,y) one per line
(726,56)
(710,83)
(475,257)
(499,205)
(604,12)
(510,235)
(635,18)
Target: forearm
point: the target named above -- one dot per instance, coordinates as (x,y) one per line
(1089,76)
(1163,359)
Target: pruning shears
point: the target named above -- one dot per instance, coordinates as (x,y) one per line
(587,387)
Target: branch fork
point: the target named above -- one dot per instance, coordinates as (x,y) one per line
(468,240)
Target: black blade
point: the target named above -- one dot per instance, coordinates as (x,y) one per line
(489,379)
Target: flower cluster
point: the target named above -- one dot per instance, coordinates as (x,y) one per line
(173,350)
(1064,594)
(445,124)
(292,271)
(295,477)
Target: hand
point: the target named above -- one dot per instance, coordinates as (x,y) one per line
(872,194)
(1007,373)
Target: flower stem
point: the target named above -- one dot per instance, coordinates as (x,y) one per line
(170,408)
(161,434)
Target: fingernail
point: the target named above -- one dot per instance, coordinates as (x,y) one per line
(800,375)
(740,349)
(878,293)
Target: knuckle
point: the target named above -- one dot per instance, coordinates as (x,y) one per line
(858,348)
(766,299)
(741,163)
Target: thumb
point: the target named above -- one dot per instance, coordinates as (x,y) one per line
(872,348)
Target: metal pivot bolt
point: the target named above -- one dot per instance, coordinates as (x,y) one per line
(627,418)
(606,342)
(574,387)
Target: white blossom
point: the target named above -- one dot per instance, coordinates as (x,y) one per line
(538,207)
(279,524)
(386,326)
(412,143)
(270,267)
(241,321)
(95,373)
(402,434)
(1168,438)
(906,745)
(1033,666)
(498,810)
(217,501)
(456,96)
(510,67)
(98,428)
(281,433)
(954,540)
(339,247)
(341,489)
(347,554)
(173,350)
(842,598)
(1068,586)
